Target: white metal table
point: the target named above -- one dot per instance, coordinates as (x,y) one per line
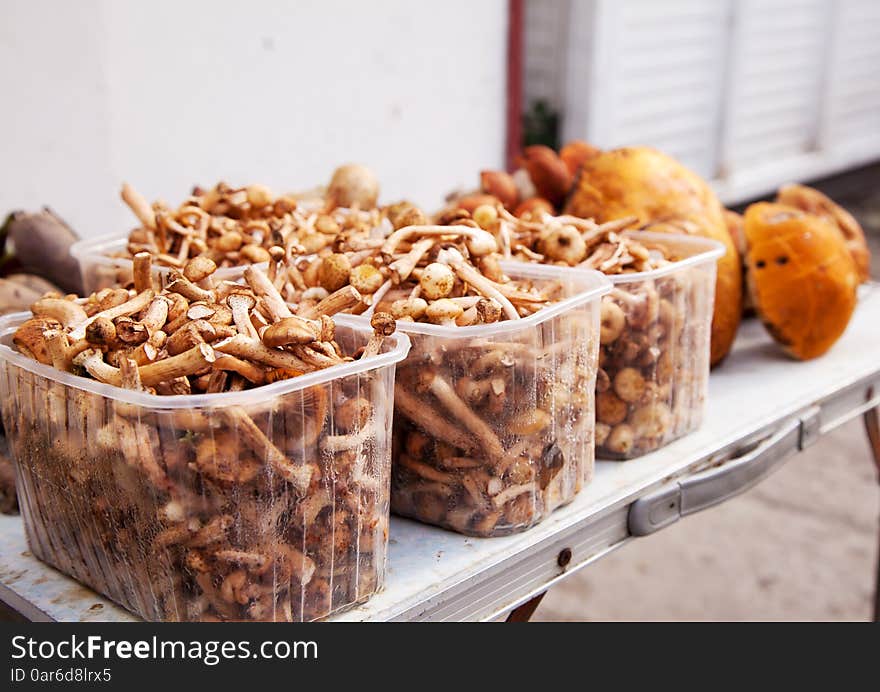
(762,409)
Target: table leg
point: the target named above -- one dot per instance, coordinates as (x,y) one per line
(524,612)
(872,426)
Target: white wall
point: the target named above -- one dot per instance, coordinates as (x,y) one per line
(167,94)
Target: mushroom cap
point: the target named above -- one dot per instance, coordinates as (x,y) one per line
(443,310)
(532,208)
(801,276)
(241,298)
(501,185)
(199,268)
(436,281)
(470,203)
(564,244)
(29,335)
(814,202)
(548,172)
(353,184)
(334,271)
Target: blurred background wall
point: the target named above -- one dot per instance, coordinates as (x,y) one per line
(167,94)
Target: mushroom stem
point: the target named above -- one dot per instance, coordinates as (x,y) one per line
(338,301)
(333,444)
(143,277)
(156,314)
(430,421)
(446,395)
(315,358)
(254,349)
(131,377)
(390,245)
(298,475)
(249,371)
(402,267)
(470,275)
(187,363)
(130,307)
(265,289)
(180,284)
(92,362)
(512,492)
(139,205)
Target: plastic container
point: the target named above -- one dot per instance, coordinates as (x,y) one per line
(493,424)
(266,504)
(654,358)
(101,265)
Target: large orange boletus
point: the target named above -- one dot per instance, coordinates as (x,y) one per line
(812,201)
(644,182)
(801,277)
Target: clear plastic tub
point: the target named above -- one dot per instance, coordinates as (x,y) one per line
(654,358)
(266,504)
(101,265)
(493,424)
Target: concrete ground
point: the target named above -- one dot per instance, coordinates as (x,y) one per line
(800,546)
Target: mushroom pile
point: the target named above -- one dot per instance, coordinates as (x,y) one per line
(652,378)
(260,508)
(236,226)
(492,433)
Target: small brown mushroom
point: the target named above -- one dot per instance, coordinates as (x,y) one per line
(444,311)
(564,244)
(366,279)
(621,439)
(334,271)
(610,408)
(436,281)
(383,325)
(199,268)
(291,330)
(612,322)
(629,385)
(412,308)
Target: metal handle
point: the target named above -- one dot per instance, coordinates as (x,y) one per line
(712,486)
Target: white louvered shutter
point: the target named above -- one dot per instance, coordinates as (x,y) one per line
(779,50)
(654,77)
(748,93)
(853,99)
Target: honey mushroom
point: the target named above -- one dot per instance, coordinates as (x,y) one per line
(198,335)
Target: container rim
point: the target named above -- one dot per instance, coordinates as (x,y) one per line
(94,249)
(595,285)
(400,345)
(705,250)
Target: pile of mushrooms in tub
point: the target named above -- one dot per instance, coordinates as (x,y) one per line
(492,431)
(337,251)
